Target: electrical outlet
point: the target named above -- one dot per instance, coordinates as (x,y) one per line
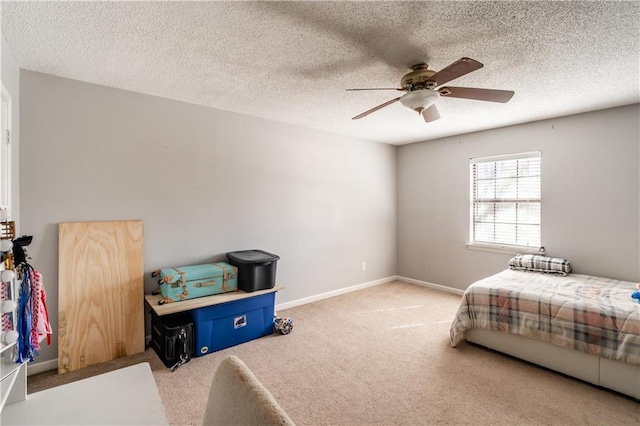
(364,266)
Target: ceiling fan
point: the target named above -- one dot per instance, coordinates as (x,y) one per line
(423,87)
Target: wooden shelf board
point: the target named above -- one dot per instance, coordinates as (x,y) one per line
(201,302)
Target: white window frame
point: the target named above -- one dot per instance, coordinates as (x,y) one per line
(5,152)
(499,247)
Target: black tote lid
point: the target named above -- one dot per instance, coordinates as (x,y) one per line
(252,256)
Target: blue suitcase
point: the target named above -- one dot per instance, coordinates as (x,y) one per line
(188,282)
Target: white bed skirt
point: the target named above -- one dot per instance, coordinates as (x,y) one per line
(615,375)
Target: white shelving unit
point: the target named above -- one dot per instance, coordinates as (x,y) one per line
(13,376)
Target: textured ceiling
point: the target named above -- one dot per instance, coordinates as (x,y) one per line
(291,61)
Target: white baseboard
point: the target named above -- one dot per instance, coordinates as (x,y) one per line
(41,367)
(317,297)
(333,293)
(432,285)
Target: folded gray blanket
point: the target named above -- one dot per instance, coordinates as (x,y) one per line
(537,263)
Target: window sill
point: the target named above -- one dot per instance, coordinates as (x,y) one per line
(505,249)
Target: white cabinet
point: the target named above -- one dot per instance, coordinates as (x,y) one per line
(13,379)
(13,376)
(127,396)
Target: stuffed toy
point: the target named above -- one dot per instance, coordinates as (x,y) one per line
(636,294)
(284,325)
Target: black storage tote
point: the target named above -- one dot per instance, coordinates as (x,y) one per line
(256,269)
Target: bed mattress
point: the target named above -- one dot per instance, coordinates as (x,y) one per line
(581,312)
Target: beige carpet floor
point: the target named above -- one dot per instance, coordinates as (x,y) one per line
(381,356)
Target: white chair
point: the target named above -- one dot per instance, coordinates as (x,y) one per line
(238,398)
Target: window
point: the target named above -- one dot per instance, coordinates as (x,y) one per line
(505,202)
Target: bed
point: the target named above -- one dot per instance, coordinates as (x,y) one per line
(583,326)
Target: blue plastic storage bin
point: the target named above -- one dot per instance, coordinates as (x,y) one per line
(228,324)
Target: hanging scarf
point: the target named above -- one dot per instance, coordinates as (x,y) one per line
(7,320)
(40,326)
(26,351)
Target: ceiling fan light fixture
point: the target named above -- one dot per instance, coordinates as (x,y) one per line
(419,100)
(423,89)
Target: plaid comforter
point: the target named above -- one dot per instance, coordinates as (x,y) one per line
(581,312)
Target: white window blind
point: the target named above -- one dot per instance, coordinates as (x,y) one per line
(505,200)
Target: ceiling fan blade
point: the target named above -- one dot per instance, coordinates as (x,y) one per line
(457,69)
(490,95)
(377,88)
(364,114)
(431,114)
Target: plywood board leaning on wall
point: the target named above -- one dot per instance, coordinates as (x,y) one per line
(100,292)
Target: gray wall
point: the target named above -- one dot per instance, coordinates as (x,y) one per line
(204,182)
(590,197)
(10,77)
